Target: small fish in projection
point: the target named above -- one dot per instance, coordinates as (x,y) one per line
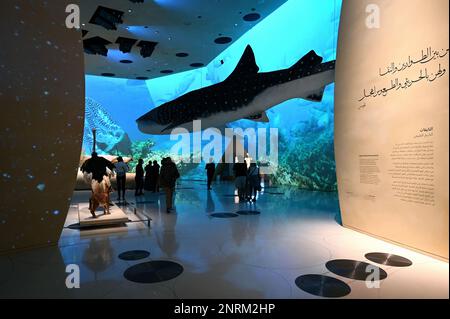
(245,94)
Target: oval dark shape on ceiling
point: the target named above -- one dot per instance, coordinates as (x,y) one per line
(182,54)
(252,17)
(223,40)
(108,74)
(126,61)
(166,71)
(196,64)
(142,78)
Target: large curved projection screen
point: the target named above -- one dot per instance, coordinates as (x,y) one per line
(391,121)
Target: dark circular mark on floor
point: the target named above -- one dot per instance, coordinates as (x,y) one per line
(224,215)
(142,78)
(389,259)
(108,74)
(248,212)
(134,255)
(182,54)
(252,17)
(222,40)
(126,61)
(323,286)
(153,271)
(166,71)
(196,64)
(353,269)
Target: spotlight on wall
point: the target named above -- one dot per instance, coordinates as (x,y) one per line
(125,44)
(96,45)
(107,18)
(147,48)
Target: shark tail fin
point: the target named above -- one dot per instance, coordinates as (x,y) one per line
(307,62)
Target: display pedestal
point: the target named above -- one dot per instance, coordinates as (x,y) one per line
(117,216)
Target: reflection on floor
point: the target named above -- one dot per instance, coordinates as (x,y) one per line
(266,255)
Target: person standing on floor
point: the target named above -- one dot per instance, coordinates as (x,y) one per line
(139,178)
(210,170)
(121,177)
(168,177)
(148,180)
(155,181)
(254,181)
(240,173)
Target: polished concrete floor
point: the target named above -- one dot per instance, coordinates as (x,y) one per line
(255,256)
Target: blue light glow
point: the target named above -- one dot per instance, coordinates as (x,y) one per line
(278,41)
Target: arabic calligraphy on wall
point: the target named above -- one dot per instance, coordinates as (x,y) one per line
(425,73)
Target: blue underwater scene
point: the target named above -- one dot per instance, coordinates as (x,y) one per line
(305,129)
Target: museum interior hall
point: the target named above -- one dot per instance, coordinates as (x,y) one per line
(212,149)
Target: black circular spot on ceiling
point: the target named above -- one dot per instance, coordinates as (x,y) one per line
(182,54)
(389,259)
(126,61)
(142,78)
(197,64)
(253,9)
(323,286)
(353,269)
(199,17)
(248,212)
(251,17)
(153,271)
(224,215)
(108,74)
(222,40)
(166,71)
(134,255)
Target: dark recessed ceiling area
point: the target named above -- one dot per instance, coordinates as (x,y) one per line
(144,39)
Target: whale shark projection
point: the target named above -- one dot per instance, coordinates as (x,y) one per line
(245,94)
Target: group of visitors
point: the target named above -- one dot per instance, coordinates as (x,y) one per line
(151,177)
(247,181)
(146,178)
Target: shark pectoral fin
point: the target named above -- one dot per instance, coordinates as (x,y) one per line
(315,96)
(260,117)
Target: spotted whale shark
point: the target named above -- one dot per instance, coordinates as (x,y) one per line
(244,94)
